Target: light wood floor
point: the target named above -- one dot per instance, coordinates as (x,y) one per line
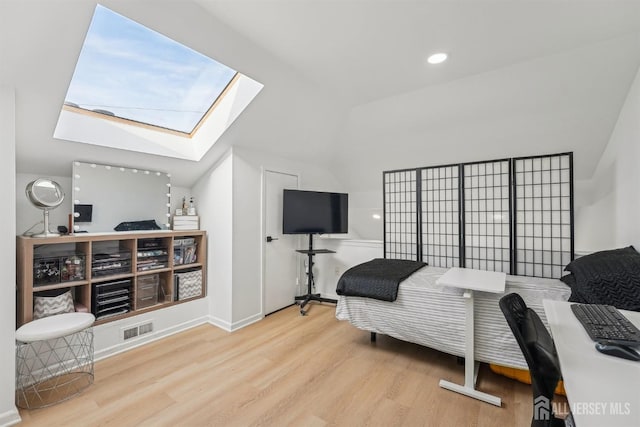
(284,370)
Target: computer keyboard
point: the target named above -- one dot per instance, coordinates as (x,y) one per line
(605,322)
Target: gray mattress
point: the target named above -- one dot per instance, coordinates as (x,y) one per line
(434,316)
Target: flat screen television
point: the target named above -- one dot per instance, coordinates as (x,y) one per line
(314,212)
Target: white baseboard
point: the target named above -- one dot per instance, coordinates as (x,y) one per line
(137,342)
(10,417)
(246,321)
(230,327)
(222,324)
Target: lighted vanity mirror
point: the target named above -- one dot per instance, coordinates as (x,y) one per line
(106,195)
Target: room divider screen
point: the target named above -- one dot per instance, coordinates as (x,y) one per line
(401,214)
(510,215)
(487,217)
(439,215)
(543,208)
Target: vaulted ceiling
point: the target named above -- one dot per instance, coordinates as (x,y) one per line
(346,82)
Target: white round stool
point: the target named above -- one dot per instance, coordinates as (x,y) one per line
(54,359)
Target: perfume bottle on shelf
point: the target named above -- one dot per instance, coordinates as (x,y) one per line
(192,207)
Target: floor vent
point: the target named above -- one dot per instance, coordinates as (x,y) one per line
(131,333)
(137,330)
(145,329)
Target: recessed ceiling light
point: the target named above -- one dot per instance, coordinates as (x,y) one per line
(437,58)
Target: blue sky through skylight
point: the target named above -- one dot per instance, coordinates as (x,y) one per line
(139,74)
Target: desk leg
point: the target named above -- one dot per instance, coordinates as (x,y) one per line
(470,366)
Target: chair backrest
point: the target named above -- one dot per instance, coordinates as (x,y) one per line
(538,351)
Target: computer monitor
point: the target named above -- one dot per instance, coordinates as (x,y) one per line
(82,213)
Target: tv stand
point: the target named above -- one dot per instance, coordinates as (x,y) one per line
(303,300)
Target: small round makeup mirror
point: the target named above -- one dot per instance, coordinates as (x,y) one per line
(45,194)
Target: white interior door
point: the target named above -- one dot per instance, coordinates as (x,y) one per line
(280,258)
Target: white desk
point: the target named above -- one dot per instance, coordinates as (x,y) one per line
(472,280)
(602,390)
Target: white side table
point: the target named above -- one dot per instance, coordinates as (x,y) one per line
(54,359)
(472,280)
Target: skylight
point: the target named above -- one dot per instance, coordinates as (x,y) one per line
(125,70)
(135,89)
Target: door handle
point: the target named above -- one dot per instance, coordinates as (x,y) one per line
(271,239)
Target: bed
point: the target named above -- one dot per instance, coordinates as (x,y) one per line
(434,316)
(511,215)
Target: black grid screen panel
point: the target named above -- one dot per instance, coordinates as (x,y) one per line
(510,215)
(400,215)
(543,215)
(440,216)
(487,221)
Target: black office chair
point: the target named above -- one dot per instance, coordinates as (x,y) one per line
(540,353)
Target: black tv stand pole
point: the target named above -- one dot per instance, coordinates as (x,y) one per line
(303,300)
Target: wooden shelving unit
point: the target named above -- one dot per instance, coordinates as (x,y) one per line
(86,246)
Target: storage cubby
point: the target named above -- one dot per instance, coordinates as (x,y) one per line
(109,261)
(185,251)
(152,254)
(60,268)
(58,264)
(187,284)
(111,298)
(147,291)
(114,275)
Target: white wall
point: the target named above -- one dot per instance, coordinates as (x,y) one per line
(230,207)
(365,212)
(249,190)
(533,107)
(613,216)
(594,217)
(312,176)
(617,178)
(349,253)
(625,142)
(8,413)
(214,196)
(246,292)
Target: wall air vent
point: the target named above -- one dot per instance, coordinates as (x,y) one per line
(137,330)
(145,329)
(130,333)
